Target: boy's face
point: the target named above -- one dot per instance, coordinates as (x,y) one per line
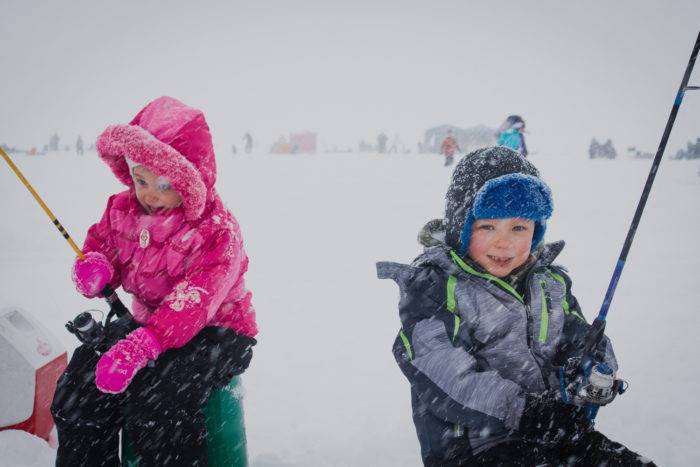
(154,193)
(501,245)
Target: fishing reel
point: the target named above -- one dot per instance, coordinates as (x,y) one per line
(86,329)
(99,336)
(600,387)
(589,384)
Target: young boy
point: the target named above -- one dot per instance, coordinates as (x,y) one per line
(486,322)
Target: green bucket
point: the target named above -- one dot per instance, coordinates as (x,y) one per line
(226,441)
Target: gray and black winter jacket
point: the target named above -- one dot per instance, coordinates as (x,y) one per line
(472,345)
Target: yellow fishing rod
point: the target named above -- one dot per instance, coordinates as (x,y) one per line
(43,205)
(108,293)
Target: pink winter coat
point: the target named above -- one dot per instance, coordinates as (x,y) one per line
(184,269)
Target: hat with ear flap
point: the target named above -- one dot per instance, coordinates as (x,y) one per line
(511,195)
(494,183)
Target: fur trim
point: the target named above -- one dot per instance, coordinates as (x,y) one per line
(432,233)
(132,141)
(511,195)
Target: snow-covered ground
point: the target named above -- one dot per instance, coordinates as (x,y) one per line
(323,388)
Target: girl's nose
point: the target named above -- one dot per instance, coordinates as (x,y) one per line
(151,197)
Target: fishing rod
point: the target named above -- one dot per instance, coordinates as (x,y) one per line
(115,304)
(595,332)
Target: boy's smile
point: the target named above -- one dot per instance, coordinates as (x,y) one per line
(501,245)
(502,261)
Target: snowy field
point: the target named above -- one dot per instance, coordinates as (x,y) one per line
(323,389)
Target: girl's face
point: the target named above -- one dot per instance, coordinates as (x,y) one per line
(154,193)
(501,245)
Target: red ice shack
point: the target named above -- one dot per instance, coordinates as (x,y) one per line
(304,142)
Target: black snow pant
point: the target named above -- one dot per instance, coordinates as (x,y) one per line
(590,449)
(162,407)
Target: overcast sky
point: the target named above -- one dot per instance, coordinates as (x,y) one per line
(351,69)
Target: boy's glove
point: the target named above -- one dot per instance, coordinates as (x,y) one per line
(92,274)
(118,366)
(547,419)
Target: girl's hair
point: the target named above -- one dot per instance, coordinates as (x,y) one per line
(132,165)
(163,182)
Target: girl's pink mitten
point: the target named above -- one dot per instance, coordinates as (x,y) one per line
(92,274)
(118,366)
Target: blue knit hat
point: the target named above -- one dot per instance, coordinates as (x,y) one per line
(494,183)
(511,195)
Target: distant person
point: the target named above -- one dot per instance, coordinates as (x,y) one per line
(608,150)
(511,134)
(54,142)
(394,145)
(248,142)
(448,148)
(593,148)
(234,149)
(79,146)
(381,143)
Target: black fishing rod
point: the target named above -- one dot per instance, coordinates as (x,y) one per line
(599,323)
(595,332)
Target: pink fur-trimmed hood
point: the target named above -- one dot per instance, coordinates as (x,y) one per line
(172,140)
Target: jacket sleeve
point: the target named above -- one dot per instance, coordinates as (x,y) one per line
(99,239)
(575,329)
(195,299)
(448,380)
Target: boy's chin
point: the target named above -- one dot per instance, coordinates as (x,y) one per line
(500,270)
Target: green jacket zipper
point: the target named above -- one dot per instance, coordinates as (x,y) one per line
(528,328)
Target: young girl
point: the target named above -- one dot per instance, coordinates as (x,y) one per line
(486,321)
(169,241)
